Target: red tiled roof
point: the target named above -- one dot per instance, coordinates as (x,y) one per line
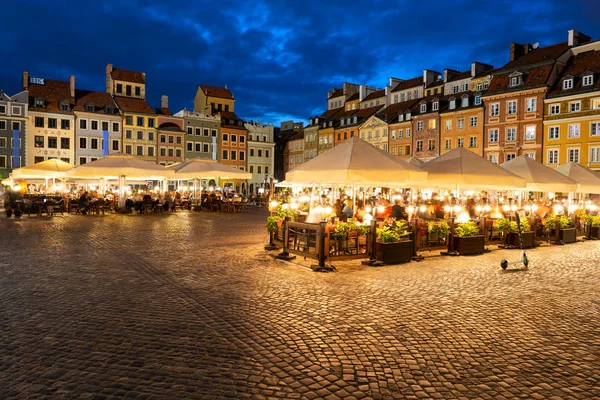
(331,113)
(578,66)
(532,77)
(128,76)
(337,93)
(52,92)
(170,126)
(99,99)
(391,112)
(459,76)
(297,136)
(163,111)
(409,83)
(214,91)
(128,104)
(540,55)
(375,95)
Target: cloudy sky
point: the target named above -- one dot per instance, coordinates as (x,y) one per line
(278,57)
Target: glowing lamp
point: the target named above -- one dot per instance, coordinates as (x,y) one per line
(457,209)
(422,209)
(273,204)
(447,208)
(410,209)
(505,208)
(487,208)
(380,209)
(368,209)
(557,208)
(463,217)
(513,208)
(534,208)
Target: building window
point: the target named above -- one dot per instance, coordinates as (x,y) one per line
(128,134)
(205,148)
(150,151)
(432,124)
(494,158)
(419,145)
(128,90)
(567,84)
(140,135)
(407,132)
(455,89)
(595,155)
(225,137)
(553,132)
(115,145)
(190,131)
(225,155)
(510,156)
(460,123)
(129,120)
(52,142)
(473,122)
(531,104)
(472,141)
(64,106)
(242,139)
(595,129)
(530,133)
(575,106)
(251,152)
(138,91)
(423,107)
(420,125)
(242,156)
(83,124)
(150,135)
(511,134)
(139,151)
(477,100)
(65,124)
(515,80)
(52,123)
(94,125)
(2,125)
(266,153)
(119,88)
(129,149)
(150,122)
(82,160)
(435,106)
(213,133)
(233,138)
(494,110)
(190,146)
(104,126)
(447,144)
(511,107)
(573,155)
(198,147)
(431,144)
(94,144)
(178,153)
(39,142)
(65,143)
(38,160)
(574,131)
(178,140)
(555,109)
(140,121)
(588,80)
(493,135)
(486,84)
(3,142)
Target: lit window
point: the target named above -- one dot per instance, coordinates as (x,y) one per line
(531,103)
(574,131)
(530,133)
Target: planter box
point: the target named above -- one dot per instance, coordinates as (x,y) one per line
(528,239)
(595,232)
(394,253)
(468,245)
(567,235)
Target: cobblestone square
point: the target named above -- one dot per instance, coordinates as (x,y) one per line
(188,305)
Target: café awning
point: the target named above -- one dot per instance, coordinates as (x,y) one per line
(461,168)
(52,168)
(115,166)
(356,162)
(538,177)
(588,181)
(206,168)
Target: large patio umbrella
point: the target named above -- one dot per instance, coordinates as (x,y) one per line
(206,168)
(538,177)
(52,168)
(463,169)
(123,167)
(588,181)
(356,162)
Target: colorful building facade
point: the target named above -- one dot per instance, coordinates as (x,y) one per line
(170,143)
(261,156)
(13,122)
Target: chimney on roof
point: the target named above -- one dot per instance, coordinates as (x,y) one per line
(164,101)
(72,85)
(108,80)
(576,38)
(362,92)
(25,80)
(519,50)
(429,76)
(477,68)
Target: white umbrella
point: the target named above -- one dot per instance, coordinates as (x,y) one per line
(206,168)
(588,181)
(538,177)
(53,168)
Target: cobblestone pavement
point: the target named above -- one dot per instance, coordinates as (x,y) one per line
(189,306)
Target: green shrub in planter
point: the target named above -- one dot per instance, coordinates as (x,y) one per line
(466,229)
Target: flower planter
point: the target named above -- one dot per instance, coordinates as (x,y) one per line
(469,245)
(568,235)
(394,253)
(528,239)
(595,232)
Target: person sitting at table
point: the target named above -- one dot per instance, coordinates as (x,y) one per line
(398,211)
(347,210)
(168,204)
(84,203)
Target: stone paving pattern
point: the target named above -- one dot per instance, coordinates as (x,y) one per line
(188,305)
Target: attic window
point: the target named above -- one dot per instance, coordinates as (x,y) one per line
(342,122)
(39,103)
(465,101)
(89,107)
(348,121)
(408,116)
(588,80)
(477,100)
(435,106)
(568,84)
(401,117)
(423,107)
(355,119)
(479,86)
(452,104)
(486,84)
(515,81)
(109,110)
(64,105)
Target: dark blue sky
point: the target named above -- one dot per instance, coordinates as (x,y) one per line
(278,57)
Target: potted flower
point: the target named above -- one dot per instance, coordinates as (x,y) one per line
(467,240)
(595,226)
(438,231)
(393,245)
(340,235)
(511,233)
(560,226)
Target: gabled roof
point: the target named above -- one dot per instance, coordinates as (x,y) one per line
(391,113)
(375,95)
(214,91)
(578,66)
(163,111)
(297,136)
(532,78)
(170,126)
(408,84)
(52,92)
(4,96)
(99,99)
(128,76)
(541,55)
(459,76)
(127,104)
(458,97)
(439,82)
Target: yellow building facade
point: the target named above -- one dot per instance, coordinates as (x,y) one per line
(461,124)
